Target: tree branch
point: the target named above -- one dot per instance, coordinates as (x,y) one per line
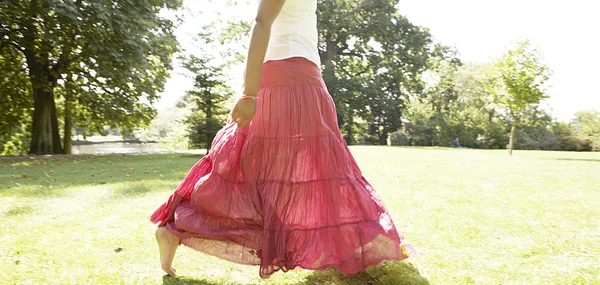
(356,32)
(63,60)
(29,36)
(350,53)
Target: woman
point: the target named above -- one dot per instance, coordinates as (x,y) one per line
(280,188)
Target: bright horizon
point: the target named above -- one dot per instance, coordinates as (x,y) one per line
(480,31)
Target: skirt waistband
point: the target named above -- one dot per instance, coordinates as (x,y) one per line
(291,71)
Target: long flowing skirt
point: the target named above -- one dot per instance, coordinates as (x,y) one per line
(285,192)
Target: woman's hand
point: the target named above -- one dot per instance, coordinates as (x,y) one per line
(243,111)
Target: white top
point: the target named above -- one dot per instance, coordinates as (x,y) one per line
(294,32)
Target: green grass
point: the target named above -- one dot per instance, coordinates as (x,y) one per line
(475,216)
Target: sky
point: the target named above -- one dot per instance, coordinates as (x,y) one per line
(565,32)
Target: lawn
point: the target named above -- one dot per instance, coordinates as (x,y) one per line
(475,216)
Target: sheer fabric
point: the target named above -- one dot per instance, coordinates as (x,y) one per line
(285,192)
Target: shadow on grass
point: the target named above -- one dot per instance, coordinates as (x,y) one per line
(20,210)
(49,176)
(396,273)
(168,280)
(578,159)
(133,190)
(34,191)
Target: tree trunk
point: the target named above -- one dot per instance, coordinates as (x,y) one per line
(349,137)
(511,141)
(208,133)
(56,144)
(383,137)
(67,139)
(41,133)
(68,127)
(328,56)
(210,137)
(346,123)
(212,126)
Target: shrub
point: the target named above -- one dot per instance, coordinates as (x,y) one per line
(399,138)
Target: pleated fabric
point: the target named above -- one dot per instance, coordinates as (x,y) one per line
(285,192)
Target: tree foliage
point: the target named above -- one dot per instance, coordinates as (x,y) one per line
(457,102)
(587,124)
(372,60)
(566,137)
(15,102)
(518,83)
(436,114)
(115,54)
(207,98)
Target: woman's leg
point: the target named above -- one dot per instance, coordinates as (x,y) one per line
(167,245)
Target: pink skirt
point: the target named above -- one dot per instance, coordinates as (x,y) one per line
(285,192)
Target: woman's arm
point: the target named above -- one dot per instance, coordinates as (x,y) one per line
(266,15)
(244,109)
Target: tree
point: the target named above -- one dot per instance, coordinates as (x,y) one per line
(207,98)
(587,126)
(217,50)
(566,136)
(15,103)
(372,60)
(455,103)
(422,129)
(484,121)
(117,53)
(518,83)
(437,114)
(536,130)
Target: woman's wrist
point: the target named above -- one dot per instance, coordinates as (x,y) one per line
(250,93)
(250,90)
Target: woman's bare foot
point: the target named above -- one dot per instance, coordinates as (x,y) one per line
(167,245)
